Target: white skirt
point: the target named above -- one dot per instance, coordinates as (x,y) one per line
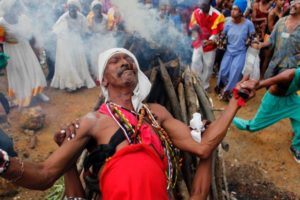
(24,72)
(71,68)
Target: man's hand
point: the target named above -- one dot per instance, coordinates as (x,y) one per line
(66,133)
(207,42)
(247,84)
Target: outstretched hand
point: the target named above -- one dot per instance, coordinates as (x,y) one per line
(249,85)
(66,133)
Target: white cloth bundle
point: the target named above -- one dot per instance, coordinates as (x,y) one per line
(252,64)
(197,127)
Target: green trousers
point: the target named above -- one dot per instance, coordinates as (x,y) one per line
(273,109)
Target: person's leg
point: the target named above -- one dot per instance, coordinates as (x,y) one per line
(295,146)
(224,70)
(208,64)
(268,113)
(6,144)
(197,64)
(235,73)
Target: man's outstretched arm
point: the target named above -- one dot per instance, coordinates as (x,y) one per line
(42,175)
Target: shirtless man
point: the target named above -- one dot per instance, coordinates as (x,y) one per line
(136,168)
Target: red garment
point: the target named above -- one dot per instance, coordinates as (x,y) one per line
(135,172)
(147,134)
(211,24)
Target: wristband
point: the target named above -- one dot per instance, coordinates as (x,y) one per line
(241,100)
(4,161)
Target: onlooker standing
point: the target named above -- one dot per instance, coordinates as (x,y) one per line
(237,29)
(24,73)
(208,22)
(71,67)
(274,15)
(285,40)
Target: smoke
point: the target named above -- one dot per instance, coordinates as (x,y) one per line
(140,19)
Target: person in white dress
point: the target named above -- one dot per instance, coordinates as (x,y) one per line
(71,67)
(24,72)
(101,38)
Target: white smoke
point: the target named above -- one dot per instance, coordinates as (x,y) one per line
(146,22)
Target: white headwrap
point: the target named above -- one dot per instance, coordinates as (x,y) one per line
(143,87)
(94,3)
(75,3)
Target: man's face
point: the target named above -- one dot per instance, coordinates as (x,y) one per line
(204,5)
(280,3)
(295,8)
(235,12)
(72,11)
(120,71)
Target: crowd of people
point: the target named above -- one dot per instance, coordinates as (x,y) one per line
(235,39)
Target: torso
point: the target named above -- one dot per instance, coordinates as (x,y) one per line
(105,127)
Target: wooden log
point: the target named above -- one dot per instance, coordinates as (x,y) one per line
(192,107)
(170,90)
(190,94)
(182,103)
(153,78)
(217,167)
(203,99)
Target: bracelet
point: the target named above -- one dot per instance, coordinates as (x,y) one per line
(5,164)
(241,101)
(17,178)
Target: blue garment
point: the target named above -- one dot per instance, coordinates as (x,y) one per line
(237,35)
(6,144)
(234,58)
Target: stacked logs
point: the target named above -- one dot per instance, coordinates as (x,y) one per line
(181,92)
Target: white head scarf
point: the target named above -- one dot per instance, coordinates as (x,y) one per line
(94,3)
(75,3)
(143,87)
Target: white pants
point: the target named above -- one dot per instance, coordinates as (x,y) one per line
(202,64)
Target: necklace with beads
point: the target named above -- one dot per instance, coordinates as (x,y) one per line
(133,137)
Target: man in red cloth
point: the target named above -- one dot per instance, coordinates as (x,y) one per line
(206,24)
(135,155)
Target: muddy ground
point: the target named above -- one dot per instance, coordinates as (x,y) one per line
(258,166)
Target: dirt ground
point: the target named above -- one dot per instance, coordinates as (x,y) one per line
(259,165)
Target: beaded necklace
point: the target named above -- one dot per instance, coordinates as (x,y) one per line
(133,137)
(171,151)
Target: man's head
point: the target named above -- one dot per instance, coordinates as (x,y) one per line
(96,7)
(295,8)
(204,5)
(73,7)
(119,70)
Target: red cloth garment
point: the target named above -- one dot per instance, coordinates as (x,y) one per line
(146,132)
(211,24)
(135,172)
